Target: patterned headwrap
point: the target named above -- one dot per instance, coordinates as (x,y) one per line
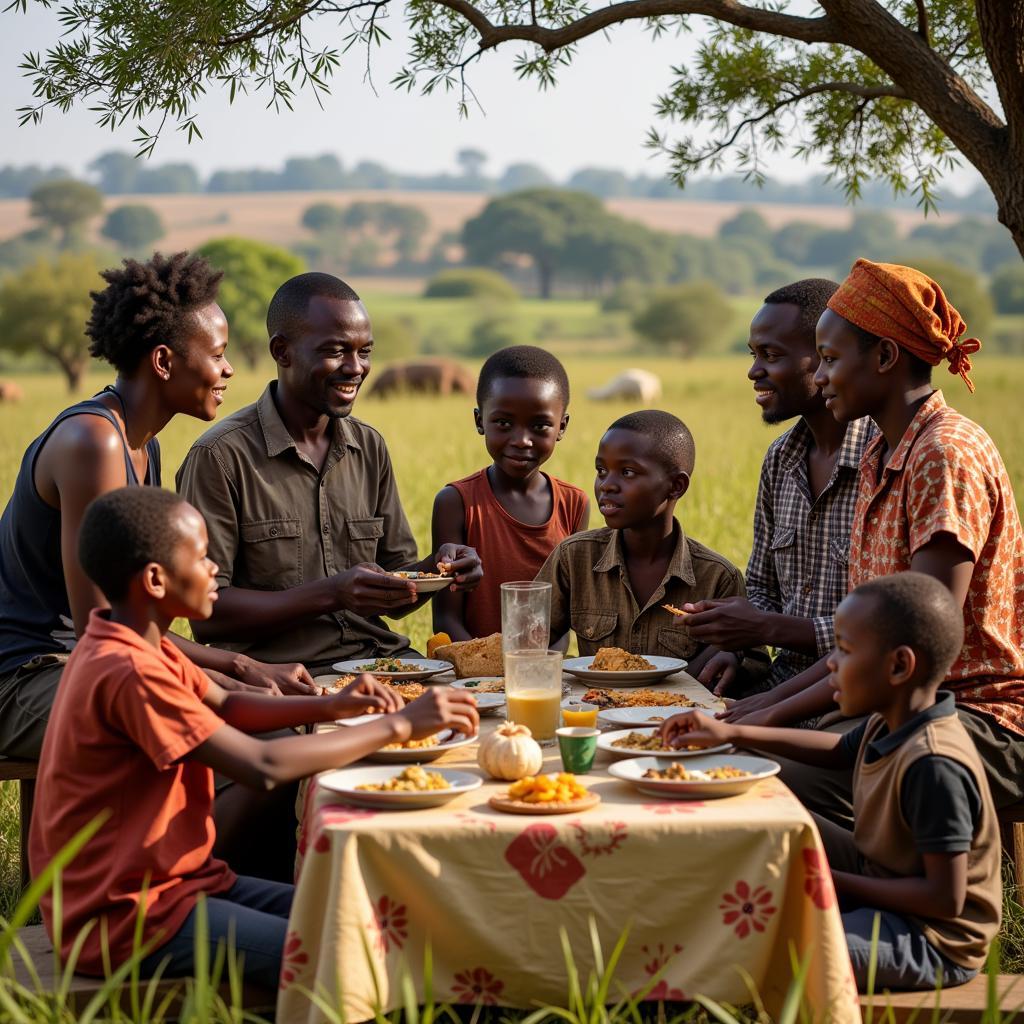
(910,308)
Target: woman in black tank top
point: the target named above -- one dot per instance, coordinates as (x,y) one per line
(159,325)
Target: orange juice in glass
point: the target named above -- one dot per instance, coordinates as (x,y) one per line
(533,691)
(584,715)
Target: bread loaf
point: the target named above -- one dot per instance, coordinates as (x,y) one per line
(479,657)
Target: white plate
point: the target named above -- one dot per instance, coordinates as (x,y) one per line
(651,716)
(580,667)
(632,771)
(425,668)
(450,740)
(345,780)
(606,740)
(474,684)
(489,703)
(427,584)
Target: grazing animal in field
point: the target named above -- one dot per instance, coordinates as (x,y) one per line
(10,392)
(424,376)
(634,384)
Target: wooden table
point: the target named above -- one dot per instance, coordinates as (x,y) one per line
(710,892)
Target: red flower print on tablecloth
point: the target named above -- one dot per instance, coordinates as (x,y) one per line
(546,864)
(817,878)
(331,816)
(392,924)
(659,957)
(469,818)
(591,847)
(293,959)
(477,985)
(748,909)
(674,806)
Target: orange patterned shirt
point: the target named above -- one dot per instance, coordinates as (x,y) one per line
(946,476)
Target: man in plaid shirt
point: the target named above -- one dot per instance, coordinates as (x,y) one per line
(798,566)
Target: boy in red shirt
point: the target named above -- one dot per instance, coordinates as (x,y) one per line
(137,731)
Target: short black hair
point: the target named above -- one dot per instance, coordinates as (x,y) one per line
(920,371)
(288,307)
(915,610)
(810,295)
(148,304)
(526,361)
(672,438)
(124,530)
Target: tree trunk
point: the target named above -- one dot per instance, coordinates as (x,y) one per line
(74,371)
(544,277)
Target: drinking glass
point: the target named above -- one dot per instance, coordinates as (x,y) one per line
(533,692)
(525,616)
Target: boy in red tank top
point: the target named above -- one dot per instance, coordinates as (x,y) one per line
(510,512)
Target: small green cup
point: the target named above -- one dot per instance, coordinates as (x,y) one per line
(577,745)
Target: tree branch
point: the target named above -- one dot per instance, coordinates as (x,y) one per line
(757,19)
(922,22)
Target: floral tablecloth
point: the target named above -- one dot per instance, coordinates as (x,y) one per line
(713,893)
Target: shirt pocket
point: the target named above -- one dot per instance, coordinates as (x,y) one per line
(837,577)
(592,629)
(783,554)
(363,537)
(676,642)
(272,553)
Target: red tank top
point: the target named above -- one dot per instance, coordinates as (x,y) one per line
(510,550)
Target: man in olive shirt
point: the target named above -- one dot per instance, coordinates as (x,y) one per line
(300,499)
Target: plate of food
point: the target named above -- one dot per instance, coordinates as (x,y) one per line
(710,776)
(332,684)
(395,668)
(614,665)
(640,715)
(389,789)
(636,698)
(430,748)
(633,742)
(481,684)
(560,793)
(425,582)
(489,703)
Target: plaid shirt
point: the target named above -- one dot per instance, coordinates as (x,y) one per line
(798,565)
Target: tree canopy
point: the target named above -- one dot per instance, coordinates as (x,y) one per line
(65,205)
(898,89)
(133,225)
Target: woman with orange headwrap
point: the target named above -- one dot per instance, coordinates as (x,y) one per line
(934,496)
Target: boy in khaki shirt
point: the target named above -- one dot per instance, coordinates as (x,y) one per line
(924,853)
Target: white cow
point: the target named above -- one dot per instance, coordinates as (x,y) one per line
(634,384)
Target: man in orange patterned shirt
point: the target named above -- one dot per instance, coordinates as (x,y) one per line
(934,496)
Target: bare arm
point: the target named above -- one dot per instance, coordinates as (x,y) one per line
(265,764)
(448,523)
(940,893)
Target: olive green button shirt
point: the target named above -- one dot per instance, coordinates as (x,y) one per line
(591,592)
(275,520)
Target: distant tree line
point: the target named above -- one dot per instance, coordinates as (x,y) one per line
(118,173)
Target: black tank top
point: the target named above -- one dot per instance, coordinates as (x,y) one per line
(35,614)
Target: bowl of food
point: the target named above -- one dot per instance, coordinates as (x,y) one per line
(425,582)
(633,742)
(386,788)
(698,778)
(395,668)
(617,666)
(643,716)
(430,748)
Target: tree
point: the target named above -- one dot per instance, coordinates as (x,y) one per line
(746,224)
(44,308)
(322,217)
(470,283)
(65,205)
(1008,288)
(896,89)
(534,223)
(133,225)
(690,316)
(522,176)
(472,163)
(253,271)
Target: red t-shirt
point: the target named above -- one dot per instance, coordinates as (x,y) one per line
(509,549)
(125,716)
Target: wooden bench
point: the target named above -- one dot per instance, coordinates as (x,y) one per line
(24,773)
(962,1004)
(37,945)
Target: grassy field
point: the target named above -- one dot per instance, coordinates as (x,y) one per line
(432,441)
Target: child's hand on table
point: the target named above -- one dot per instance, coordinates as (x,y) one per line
(441,708)
(692,727)
(366,695)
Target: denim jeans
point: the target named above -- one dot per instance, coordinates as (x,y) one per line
(255,910)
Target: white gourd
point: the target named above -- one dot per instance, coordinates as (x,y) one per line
(510,753)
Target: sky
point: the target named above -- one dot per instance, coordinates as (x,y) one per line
(598,115)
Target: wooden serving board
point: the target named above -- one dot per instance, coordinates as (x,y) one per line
(503,803)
